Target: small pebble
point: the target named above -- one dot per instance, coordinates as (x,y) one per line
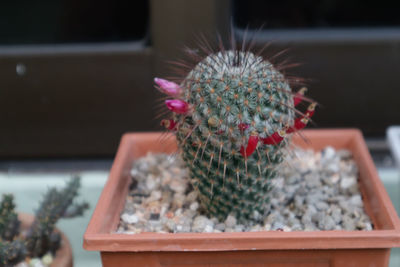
(154,216)
(277,225)
(328,153)
(336,214)
(356,201)
(194,206)
(220,227)
(22,264)
(208,228)
(321,206)
(36,262)
(201,223)
(170,224)
(327,223)
(368,226)
(239,228)
(129,218)
(230,221)
(47,259)
(348,223)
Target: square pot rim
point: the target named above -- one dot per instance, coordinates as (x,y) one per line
(97,237)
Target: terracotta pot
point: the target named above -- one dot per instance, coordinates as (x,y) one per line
(268,248)
(63,257)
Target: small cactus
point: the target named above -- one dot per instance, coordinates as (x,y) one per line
(12,252)
(40,237)
(9,223)
(233,114)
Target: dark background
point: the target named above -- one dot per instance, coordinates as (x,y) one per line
(75,75)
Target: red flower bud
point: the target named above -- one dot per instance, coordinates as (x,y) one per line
(177,106)
(299,96)
(251,146)
(243,126)
(311,110)
(302,121)
(220,132)
(274,138)
(169,124)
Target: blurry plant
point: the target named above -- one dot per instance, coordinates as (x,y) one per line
(41,237)
(233,113)
(9,224)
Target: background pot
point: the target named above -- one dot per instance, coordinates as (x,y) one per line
(272,248)
(63,257)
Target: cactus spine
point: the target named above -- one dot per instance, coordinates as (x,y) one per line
(233,115)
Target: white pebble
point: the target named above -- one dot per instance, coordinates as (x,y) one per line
(177,186)
(155,195)
(178,212)
(230,221)
(150,182)
(328,153)
(47,259)
(267,227)
(239,228)
(200,223)
(22,264)
(194,206)
(347,182)
(368,226)
(356,201)
(335,178)
(208,229)
(256,228)
(129,218)
(35,262)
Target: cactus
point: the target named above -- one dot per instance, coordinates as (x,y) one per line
(9,223)
(55,205)
(12,252)
(233,114)
(41,236)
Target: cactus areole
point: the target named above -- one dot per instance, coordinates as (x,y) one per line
(233,118)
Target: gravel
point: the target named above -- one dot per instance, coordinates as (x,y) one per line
(45,261)
(316,191)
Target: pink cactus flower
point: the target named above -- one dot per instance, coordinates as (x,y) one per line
(177,106)
(167,87)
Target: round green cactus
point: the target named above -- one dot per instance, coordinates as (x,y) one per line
(231,115)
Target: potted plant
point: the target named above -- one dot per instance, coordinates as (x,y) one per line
(234,117)
(27,240)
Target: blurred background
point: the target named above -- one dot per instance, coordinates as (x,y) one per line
(76,75)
